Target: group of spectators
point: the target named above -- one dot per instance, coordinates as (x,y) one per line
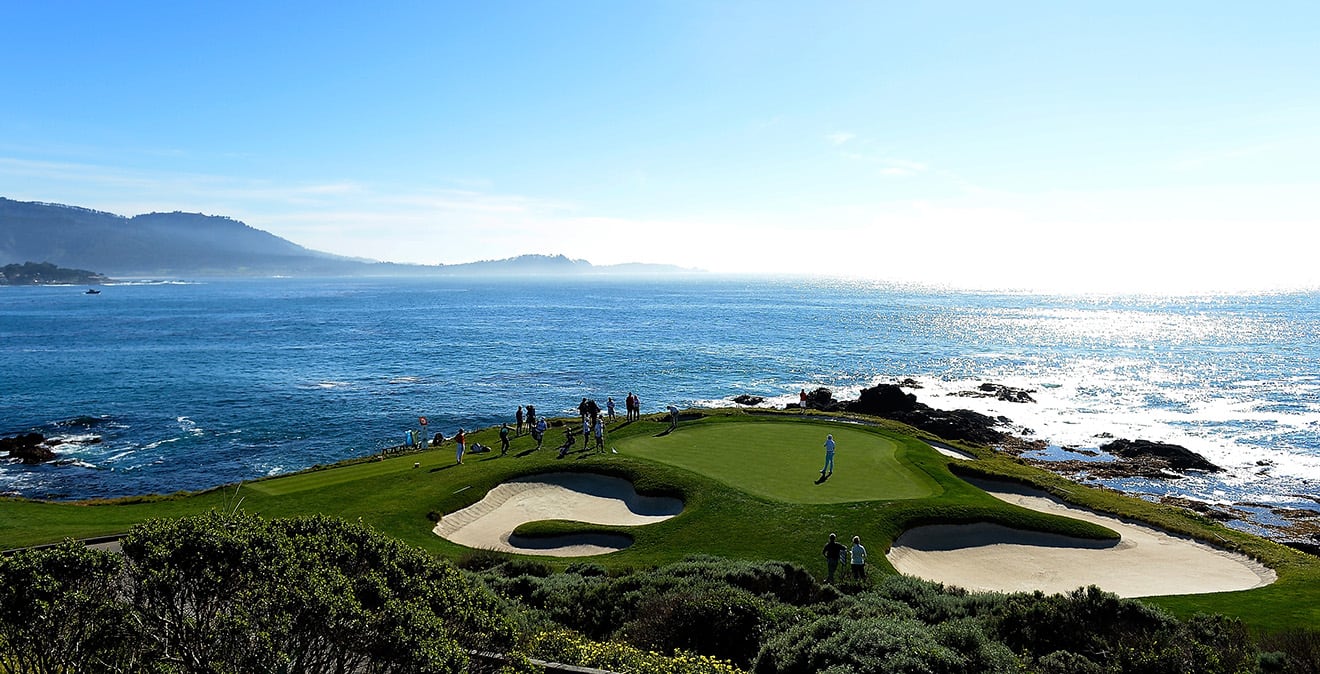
(592,427)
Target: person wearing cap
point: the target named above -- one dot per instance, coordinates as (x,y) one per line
(858,555)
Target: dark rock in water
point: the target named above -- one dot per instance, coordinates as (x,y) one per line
(891,402)
(1219,513)
(883,400)
(910,383)
(30,448)
(1176,457)
(745,399)
(1083,452)
(1310,546)
(964,425)
(820,399)
(1000,392)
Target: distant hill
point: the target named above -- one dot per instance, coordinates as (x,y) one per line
(194,245)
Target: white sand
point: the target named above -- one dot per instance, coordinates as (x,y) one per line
(1145,562)
(579,497)
(950,451)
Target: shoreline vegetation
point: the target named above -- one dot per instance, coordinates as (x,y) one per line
(744,561)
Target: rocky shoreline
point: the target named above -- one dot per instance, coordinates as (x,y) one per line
(1298,528)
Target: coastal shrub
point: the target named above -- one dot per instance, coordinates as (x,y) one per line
(1210,643)
(237,593)
(785,581)
(586,569)
(1294,651)
(593,605)
(569,648)
(932,603)
(1086,621)
(1066,662)
(515,567)
(61,611)
(1121,635)
(980,651)
(717,620)
(480,560)
(878,645)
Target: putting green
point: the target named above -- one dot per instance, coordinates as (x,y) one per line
(781,460)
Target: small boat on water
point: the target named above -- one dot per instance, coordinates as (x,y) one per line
(93,291)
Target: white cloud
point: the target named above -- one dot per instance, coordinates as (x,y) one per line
(840,138)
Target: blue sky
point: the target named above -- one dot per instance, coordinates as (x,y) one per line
(1089,146)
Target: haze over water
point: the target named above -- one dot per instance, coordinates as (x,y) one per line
(193,385)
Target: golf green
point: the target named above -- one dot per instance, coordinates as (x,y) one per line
(782,461)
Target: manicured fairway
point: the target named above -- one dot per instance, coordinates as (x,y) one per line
(782,461)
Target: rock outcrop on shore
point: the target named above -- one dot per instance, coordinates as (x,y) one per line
(1176,457)
(30,448)
(890,401)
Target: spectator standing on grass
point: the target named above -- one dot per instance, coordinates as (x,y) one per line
(519,418)
(858,555)
(599,430)
(504,437)
(568,441)
(833,552)
(538,433)
(459,441)
(609,408)
(673,417)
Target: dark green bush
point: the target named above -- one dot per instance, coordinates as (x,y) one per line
(784,581)
(235,593)
(61,611)
(1292,651)
(1064,662)
(480,560)
(1121,635)
(525,567)
(872,645)
(711,619)
(586,569)
(1086,621)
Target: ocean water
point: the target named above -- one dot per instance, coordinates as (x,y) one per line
(190,385)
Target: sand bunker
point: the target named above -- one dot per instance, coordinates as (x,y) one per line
(579,497)
(950,451)
(1145,562)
